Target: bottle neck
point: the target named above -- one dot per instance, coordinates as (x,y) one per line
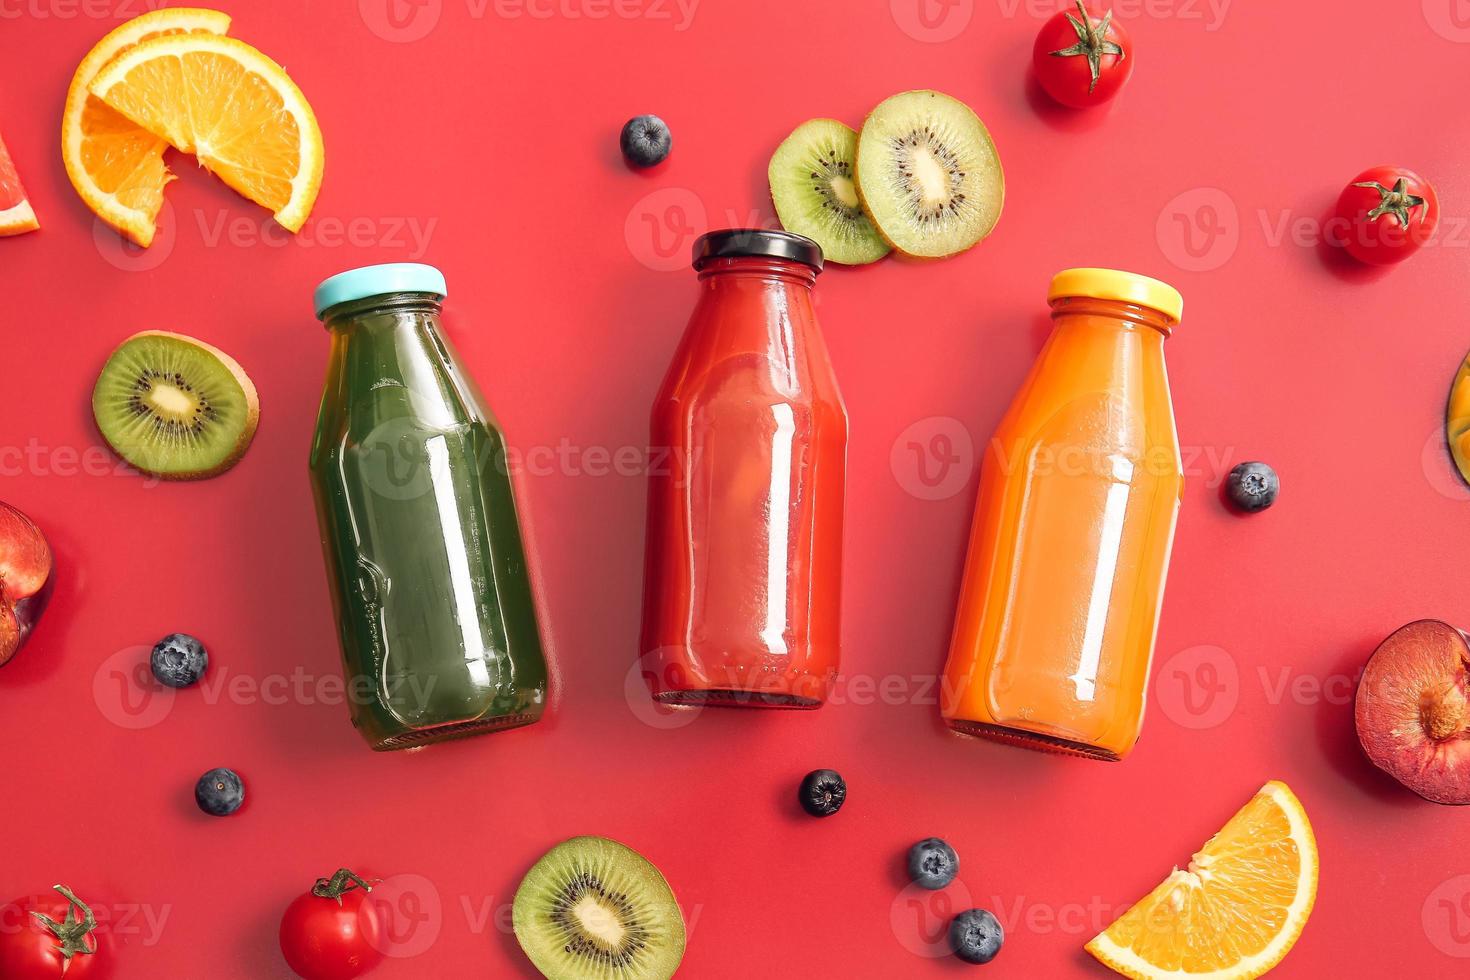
(1083,308)
(717,272)
(753,306)
(375,314)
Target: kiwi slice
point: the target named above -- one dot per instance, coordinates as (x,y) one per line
(594,909)
(812,187)
(929,175)
(174,406)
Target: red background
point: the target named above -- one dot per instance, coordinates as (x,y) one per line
(500,127)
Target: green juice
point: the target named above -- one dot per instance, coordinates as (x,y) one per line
(424,550)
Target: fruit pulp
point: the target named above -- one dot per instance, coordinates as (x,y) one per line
(434,601)
(746,485)
(26,579)
(16,214)
(1079,491)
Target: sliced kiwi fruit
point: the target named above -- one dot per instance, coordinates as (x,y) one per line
(812,187)
(594,909)
(929,174)
(174,406)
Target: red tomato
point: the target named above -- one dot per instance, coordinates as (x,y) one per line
(45,937)
(1385,215)
(1080,61)
(333,932)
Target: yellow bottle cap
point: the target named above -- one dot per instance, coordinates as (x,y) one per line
(1125,287)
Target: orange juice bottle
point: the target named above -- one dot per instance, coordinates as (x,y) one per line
(1079,491)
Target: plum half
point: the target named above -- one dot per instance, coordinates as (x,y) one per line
(25,579)
(1413,710)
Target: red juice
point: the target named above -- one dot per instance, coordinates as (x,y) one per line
(747,479)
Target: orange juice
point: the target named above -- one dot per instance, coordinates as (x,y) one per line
(1079,491)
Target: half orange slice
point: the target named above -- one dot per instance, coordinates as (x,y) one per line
(1237,909)
(229,105)
(116,165)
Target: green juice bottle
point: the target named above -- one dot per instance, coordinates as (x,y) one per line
(434,601)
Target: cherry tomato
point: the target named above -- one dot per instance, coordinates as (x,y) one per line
(46,937)
(333,932)
(1385,215)
(1080,61)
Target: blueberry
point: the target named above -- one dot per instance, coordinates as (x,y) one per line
(219,792)
(646,141)
(976,936)
(822,792)
(1253,486)
(933,863)
(179,660)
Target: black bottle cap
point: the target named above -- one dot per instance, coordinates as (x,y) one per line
(735,243)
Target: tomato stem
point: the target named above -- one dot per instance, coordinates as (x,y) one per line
(1092,42)
(72,933)
(339,884)
(1397,202)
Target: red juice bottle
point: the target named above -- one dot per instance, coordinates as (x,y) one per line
(747,476)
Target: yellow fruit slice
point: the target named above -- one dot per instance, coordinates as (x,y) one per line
(232,107)
(1457,420)
(115,165)
(1238,908)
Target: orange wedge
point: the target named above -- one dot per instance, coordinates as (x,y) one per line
(1238,908)
(116,165)
(232,107)
(16,215)
(1457,419)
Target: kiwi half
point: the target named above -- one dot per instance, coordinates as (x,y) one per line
(812,187)
(174,406)
(594,909)
(929,174)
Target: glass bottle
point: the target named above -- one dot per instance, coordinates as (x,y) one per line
(1079,491)
(743,572)
(434,602)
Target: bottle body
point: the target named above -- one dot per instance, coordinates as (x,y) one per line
(1079,493)
(435,610)
(748,458)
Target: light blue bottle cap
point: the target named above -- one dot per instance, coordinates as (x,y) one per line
(376,280)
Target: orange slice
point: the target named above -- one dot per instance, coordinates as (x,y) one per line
(232,107)
(1457,419)
(16,215)
(115,165)
(1238,908)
